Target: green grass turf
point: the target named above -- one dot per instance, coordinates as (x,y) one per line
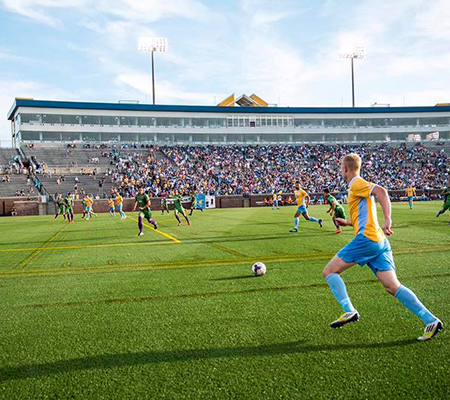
(91,310)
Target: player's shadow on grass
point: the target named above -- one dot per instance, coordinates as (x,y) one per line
(104,361)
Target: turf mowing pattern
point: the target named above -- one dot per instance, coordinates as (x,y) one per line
(91,310)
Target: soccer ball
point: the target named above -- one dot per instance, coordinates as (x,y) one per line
(258,269)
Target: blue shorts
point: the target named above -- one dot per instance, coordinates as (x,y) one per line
(88,209)
(119,207)
(111,208)
(377,255)
(302,209)
(410,198)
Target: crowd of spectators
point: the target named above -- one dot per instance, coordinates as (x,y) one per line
(231,170)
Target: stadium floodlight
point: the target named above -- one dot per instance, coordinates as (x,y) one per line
(152,45)
(359,54)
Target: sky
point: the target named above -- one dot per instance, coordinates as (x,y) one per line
(285,51)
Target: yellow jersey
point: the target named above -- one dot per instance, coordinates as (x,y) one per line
(88,201)
(119,199)
(111,203)
(410,191)
(363,209)
(300,195)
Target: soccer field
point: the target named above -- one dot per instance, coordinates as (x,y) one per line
(91,310)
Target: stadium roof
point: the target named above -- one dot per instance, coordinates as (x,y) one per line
(219,110)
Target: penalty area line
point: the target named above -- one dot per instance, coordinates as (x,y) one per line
(158,231)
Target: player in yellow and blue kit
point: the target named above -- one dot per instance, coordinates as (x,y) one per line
(370,246)
(112,210)
(410,193)
(303,201)
(119,203)
(89,211)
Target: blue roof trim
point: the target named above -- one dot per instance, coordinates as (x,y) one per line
(221,110)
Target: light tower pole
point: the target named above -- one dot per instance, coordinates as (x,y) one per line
(357,53)
(152,45)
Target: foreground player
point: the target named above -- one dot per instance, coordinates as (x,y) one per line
(178,209)
(335,210)
(119,203)
(143,201)
(446,206)
(61,209)
(410,193)
(303,201)
(370,246)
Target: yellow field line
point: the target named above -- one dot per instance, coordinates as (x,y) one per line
(36,252)
(189,264)
(82,247)
(158,231)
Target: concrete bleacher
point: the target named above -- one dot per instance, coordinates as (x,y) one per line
(7,155)
(17,182)
(86,182)
(64,157)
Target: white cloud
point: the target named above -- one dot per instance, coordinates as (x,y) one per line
(434,21)
(166,91)
(153,10)
(36,9)
(127,10)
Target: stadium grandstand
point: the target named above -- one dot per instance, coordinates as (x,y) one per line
(241,147)
(61,122)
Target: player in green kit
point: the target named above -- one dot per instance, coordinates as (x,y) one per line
(61,209)
(335,210)
(143,201)
(194,204)
(83,204)
(446,206)
(68,202)
(178,208)
(164,205)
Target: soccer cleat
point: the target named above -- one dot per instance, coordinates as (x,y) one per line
(141,234)
(189,223)
(338,231)
(155,225)
(179,224)
(438,214)
(431,330)
(320,223)
(345,319)
(295,230)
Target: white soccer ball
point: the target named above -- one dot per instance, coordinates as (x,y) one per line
(259,269)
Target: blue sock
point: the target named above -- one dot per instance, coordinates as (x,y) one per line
(339,290)
(412,303)
(297,220)
(312,219)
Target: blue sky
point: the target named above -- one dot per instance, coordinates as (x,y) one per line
(286,51)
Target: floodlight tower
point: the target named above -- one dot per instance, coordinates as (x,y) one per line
(150,45)
(357,53)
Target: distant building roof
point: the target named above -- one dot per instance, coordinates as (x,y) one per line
(222,110)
